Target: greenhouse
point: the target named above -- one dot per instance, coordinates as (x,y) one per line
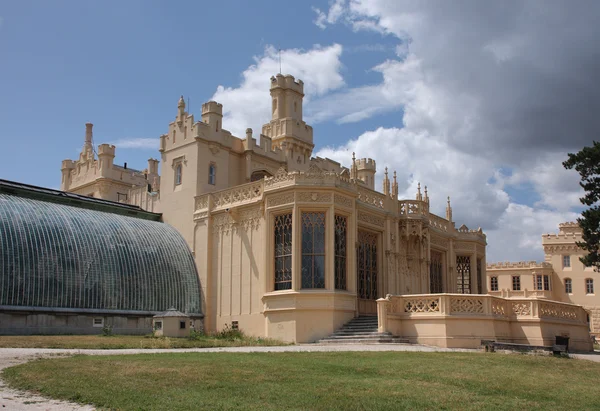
(72,264)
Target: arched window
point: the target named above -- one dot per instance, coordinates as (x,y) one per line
(568,286)
(212,174)
(589,286)
(178,174)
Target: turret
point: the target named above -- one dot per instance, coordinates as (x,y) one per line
(365,171)
(212,114)
(395,188)
(386,183)
(419,196)
(449,211)
(106,155)
(181,109)
(286,129)
(153,166)
(66,168)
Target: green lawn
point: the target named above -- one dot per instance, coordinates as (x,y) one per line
(127,341)
(312,381)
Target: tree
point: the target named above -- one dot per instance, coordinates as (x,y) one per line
(587,164)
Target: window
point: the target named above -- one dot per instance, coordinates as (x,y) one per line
(313,250)
(493,283)
(566,261)
(157,325)
(98,322)
(212,174)
(182,325)
(516,282)
(283,252)
(568,286)
(435,272)
(121,197)
(341,224)
(463,270)
(366,263)
(589,286)
(546,283)
(542,282)
(178,174)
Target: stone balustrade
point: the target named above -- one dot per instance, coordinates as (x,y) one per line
(412,208)
(463,320)
(371,197)
(505,293)
(439,223)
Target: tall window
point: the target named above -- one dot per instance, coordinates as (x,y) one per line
(589,286)
(566,261)
(542,282)
(463,271)
(546,283)
(341,224)
(283,252)
(516,282)
(435,272)
(178,174)
(366,257)
(493,283)
(212,174)
(313,250)
(568,286)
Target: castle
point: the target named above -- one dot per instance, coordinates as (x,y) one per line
(286,245)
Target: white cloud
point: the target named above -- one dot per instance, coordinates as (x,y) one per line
(336,10)
(138,143)
(248,106)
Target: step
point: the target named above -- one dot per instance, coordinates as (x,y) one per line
(381,340)
(359,327)
(343,332)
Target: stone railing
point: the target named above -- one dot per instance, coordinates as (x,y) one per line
(522,294)
(311,177)
(439,223)
(412,208)
(409,306)
(371,197)
(517,264)
(233,197)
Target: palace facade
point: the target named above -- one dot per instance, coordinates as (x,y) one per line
(286,245)
(560,277)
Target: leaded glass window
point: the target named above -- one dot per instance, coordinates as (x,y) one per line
(516,282)
(283,252)
(568,286)
(494,283)
(547,283)
(367,265)
(589,286)
(341,224)
(479,279)
(435,272)
(313,250)
(463,271)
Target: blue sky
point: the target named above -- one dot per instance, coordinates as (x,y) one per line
(479,101)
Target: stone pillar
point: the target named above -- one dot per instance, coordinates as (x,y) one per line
(474,279)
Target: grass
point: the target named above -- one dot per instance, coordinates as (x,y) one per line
(130,341)
(314,381)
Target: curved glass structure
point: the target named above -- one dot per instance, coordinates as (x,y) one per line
(59,256)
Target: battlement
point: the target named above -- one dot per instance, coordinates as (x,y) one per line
(212,107)
(106,149)
(366,164)
(569,227)
(287,82)
(67,164)
(517,265)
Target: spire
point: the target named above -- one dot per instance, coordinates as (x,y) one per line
(419,196)
(88,148)
(426,196)
(395,187)
(448,211)
(181,106)
(386,183)
(354,174)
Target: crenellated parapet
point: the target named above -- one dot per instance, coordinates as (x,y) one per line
(508,265)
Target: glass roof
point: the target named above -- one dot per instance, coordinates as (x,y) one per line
(60,256)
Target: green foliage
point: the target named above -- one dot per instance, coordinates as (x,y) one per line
(587,163)
(230,334)
(107,330)
(315,381)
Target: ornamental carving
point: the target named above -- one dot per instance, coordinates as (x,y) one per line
(421,305)
(466,305)
(280,199)
(558,311)
(371,219)
(202,202)
(282,176)
(250,218)
(439,241)
(314,197)
(552,249)
(521,308)
(342,200)
(464,246)
(480,249)
(498,307)
(222,223)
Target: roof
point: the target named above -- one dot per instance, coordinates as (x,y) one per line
(59,256)
(76,200)
(171,312)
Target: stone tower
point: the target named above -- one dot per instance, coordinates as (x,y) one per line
(287,129)
(365,171)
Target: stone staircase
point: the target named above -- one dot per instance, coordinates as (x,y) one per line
(362,330)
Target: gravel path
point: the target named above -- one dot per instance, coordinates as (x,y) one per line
(18,401)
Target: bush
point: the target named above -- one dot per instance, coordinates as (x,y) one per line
(107,330)
(196,335)
(230,334)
